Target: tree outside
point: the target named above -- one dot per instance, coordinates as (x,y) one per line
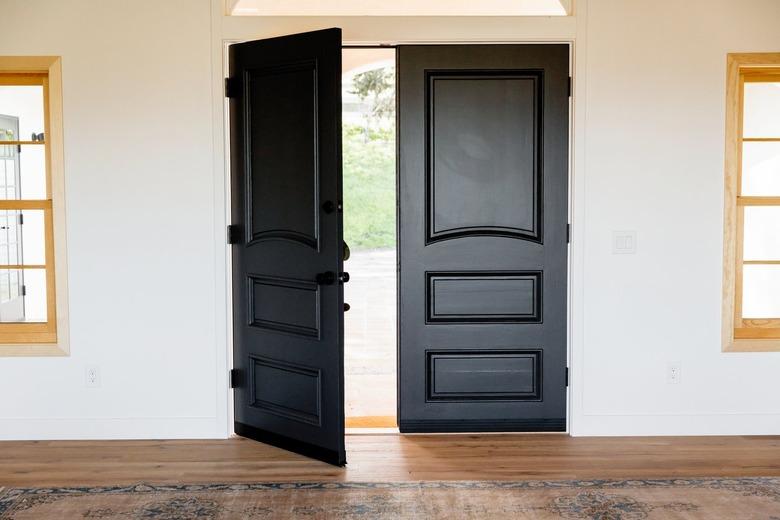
(369,161)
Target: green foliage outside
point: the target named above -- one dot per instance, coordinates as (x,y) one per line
(369,165)
(369,188)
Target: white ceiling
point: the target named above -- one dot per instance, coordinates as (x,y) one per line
(398,7)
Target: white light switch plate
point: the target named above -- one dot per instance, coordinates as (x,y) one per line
(623,242)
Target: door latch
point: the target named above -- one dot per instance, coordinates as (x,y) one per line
(326,278)
(329,278)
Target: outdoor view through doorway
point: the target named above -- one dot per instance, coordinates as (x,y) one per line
(369,151)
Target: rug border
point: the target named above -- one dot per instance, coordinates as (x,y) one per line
(10,495)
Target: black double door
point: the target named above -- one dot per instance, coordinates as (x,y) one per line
(482,239)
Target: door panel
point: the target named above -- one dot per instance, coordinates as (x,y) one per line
(483,173)
(285,111)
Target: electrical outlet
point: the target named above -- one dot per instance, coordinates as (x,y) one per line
(673,373)
(92,377)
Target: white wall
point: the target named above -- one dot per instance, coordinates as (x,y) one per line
(146,209)
(654,147)
(140,227)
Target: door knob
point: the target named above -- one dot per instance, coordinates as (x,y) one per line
(346,307)
(329,206)
(344,277)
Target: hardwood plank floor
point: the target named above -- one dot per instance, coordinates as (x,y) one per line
(389,457)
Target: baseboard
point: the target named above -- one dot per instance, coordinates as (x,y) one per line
(475,426)
(111,428)
(658,425)
(304,448)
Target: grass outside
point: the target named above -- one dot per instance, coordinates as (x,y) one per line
(369,187)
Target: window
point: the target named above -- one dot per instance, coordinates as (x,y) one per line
(32,288)
(752,217)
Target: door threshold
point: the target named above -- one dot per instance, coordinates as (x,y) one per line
(371,431)
(396,431)
(372,421)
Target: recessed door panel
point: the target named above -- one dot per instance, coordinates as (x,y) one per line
(484,375)
(469,297)
(285,305)
(282,134)
(483,130)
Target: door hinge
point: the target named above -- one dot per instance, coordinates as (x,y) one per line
(231,88)
(21,219)
(24,290)
(570,86)
(18,148)
(235,378)
(233,234)
(567,376)
(568,233)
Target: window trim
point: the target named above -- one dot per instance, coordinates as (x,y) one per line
(48,344)
(734,338)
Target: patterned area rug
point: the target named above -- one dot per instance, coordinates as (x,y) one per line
(743,498)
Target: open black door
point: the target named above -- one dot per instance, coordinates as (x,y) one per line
(483,140)
(288,304)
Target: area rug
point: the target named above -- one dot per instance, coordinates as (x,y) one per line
(743,498)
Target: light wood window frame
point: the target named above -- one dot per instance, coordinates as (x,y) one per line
(49,338)
(743,335)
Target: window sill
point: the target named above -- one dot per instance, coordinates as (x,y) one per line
(34,350)
(752,345)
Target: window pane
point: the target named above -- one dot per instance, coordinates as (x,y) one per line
(21,112)
(762,110)
(22,237)
(761,169)
(762,233)
(27,306)
(22,172)
(760,290)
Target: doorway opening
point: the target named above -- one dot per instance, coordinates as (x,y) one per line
(369,186)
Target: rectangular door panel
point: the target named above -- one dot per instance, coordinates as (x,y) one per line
(282,133)
(484,297)
(484,375)
(482,131)
(483,213)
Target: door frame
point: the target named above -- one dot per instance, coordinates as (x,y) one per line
(222,190)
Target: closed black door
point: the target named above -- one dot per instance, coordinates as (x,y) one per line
(483,140)
(288,353)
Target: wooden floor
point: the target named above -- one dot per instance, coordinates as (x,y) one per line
(387,458)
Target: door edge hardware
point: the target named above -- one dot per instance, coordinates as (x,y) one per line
(235,378)
(346,307)
(329,278)
(233,234)
(231,88)
(326,278)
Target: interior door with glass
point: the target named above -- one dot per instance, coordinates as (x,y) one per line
(11,253)
(286,230)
